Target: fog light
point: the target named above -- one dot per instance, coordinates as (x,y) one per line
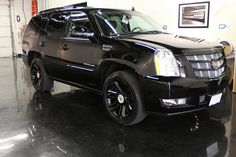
(174,102)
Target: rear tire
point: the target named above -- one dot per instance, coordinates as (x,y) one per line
(122,98)
(39,77)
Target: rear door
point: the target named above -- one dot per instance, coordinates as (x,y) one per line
(50,42)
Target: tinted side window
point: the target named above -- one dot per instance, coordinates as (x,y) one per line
(79,22)
(36,23)
(44,24)
(57,24)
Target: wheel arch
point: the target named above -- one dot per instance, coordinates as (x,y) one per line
(111,65)
(32,55)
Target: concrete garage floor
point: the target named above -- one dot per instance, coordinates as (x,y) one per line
(72,122)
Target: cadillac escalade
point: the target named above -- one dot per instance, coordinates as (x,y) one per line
(127,58)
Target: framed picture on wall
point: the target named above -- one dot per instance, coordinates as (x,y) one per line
(194,15)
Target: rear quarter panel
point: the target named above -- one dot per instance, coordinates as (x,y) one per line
(31,36)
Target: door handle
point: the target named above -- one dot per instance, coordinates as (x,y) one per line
(42,44)
(65,47)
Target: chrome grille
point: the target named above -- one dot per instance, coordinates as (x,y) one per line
(202,64)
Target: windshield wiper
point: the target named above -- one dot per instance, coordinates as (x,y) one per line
(140,32)
(154,32)
(125,33)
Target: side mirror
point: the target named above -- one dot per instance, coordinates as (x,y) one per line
(81,31)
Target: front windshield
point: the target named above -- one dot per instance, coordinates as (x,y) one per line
(119,22)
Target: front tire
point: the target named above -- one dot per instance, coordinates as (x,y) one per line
(39,77)
(122,98)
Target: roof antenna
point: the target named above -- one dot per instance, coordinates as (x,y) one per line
(133,9)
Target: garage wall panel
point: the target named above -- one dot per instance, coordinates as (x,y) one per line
(5,42)
(5,52)
(4,11)
(4,21)
(4,2)
(5,29)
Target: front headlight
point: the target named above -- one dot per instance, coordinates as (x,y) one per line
(165,63)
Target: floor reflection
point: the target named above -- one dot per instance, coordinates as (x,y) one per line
(79,117)
(72,122)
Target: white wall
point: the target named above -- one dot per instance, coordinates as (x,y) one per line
(165,12)
(221,12)
(23,8)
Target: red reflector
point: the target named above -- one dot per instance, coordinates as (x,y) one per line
(34,7)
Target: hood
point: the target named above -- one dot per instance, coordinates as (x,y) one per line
(172,41)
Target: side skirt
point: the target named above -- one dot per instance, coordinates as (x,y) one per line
(78,85)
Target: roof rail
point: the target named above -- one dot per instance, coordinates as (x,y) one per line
(83,4)
(72,6)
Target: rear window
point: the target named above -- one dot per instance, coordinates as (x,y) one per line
(36,23)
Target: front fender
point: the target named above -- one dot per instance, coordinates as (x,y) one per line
(144,67)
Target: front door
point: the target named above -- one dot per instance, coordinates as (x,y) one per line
(80,50)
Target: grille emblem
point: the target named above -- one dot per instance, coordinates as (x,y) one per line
(216,64)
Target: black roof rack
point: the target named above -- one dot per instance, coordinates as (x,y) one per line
(72,6)
(83,4)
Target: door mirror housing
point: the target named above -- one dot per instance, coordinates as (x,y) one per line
(81,31)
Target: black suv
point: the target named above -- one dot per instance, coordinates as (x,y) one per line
(124,56)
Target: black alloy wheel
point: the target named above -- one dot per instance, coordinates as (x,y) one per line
(36,75)
(39,77)
(123,99)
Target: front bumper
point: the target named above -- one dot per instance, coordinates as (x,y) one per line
(194,89)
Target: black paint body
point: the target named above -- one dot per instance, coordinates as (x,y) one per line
(87,61)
